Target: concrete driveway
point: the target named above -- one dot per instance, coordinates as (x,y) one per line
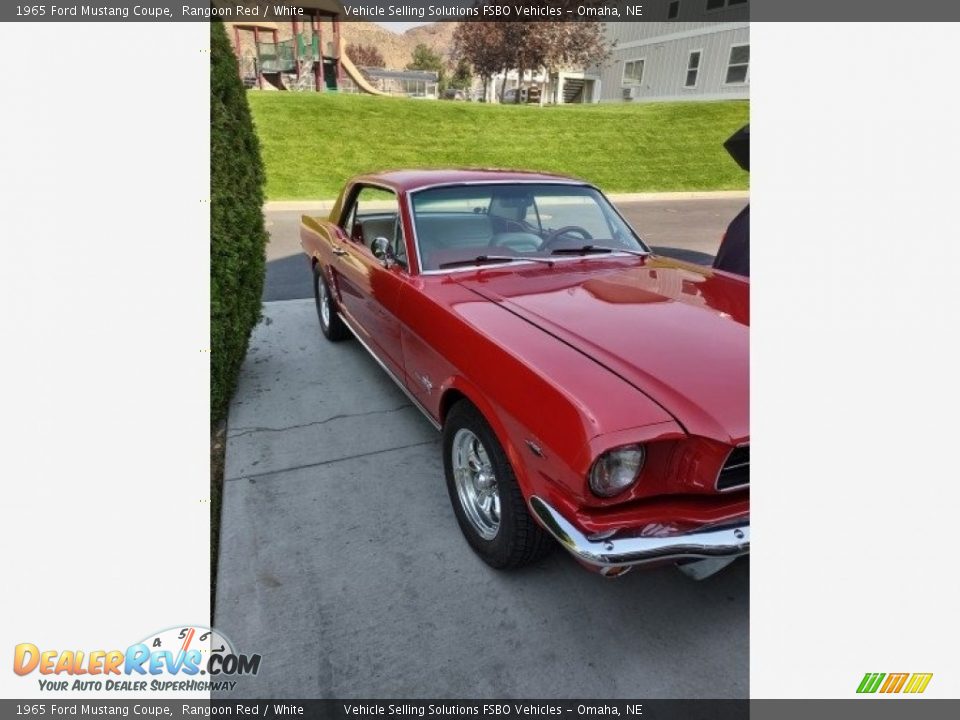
(342,565)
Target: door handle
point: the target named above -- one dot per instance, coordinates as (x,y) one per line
(339,251)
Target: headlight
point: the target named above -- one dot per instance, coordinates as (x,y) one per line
(616,470)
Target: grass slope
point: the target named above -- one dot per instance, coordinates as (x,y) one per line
(311,143)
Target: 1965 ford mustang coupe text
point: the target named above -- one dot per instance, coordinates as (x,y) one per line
(588,391)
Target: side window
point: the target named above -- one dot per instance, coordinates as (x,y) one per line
(374,214)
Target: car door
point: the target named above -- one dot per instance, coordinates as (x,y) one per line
(370,290)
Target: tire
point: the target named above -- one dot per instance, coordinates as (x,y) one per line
(331,324)
(500,531)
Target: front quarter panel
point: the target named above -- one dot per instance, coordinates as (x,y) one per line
(531,387)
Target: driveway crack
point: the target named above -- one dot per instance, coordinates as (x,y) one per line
(332,461)
(249,431)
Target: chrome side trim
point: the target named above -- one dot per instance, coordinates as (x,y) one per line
(534,448)
(726,542)
(389,372)
(408,198)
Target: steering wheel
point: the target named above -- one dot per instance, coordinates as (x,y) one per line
(559,233)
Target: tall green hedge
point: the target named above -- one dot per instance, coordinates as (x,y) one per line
(237,235)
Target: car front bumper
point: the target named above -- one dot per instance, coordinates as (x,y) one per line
(614,555)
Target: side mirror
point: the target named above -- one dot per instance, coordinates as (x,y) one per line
(382,249)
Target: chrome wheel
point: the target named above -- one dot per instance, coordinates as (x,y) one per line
(323,300)
(476,483)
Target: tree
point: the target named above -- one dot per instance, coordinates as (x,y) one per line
(528,41)
(426,59)
(572,44)
(462,76)
(237,235)
(365,56)
(523,46)
(482,45)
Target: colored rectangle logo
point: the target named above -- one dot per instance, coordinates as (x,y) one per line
(893,683)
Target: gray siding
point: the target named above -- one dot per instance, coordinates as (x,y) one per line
(665,49)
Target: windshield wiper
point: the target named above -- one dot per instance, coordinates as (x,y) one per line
(483,259)
(586,249)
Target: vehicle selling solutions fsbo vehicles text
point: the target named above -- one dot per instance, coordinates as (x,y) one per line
(495,709)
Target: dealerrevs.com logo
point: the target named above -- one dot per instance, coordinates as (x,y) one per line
(180,659)
(911,683)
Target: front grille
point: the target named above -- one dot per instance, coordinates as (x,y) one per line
(736,470)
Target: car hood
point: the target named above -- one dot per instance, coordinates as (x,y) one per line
(677,332)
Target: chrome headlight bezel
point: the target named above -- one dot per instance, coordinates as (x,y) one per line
(617,470)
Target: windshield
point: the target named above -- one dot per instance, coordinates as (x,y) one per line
(455,225)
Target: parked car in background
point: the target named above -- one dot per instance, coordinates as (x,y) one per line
(587,390)
(529,94)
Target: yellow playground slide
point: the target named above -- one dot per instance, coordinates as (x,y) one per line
(355,74)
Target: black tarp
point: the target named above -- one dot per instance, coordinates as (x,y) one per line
(738,145)
(734,253)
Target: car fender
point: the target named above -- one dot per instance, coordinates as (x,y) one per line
(462,386)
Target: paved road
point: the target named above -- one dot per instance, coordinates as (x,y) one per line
(687,229)
(342,564)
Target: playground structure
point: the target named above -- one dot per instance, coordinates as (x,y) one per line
(283,55)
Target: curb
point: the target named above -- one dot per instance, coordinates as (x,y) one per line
(327,205)
(296,205)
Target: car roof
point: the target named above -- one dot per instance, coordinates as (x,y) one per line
(410,180)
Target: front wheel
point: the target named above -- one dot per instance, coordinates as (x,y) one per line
(485,495)
(331,324)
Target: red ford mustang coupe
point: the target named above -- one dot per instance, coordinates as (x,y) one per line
(588,391)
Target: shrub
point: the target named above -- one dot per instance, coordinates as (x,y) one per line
(237,235)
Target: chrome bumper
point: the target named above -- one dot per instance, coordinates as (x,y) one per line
(615,553)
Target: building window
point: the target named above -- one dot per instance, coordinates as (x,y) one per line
(738,68)
(720,4)
(693,68)
(673,10)
(633,72)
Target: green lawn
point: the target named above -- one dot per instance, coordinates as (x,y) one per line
(313,142)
